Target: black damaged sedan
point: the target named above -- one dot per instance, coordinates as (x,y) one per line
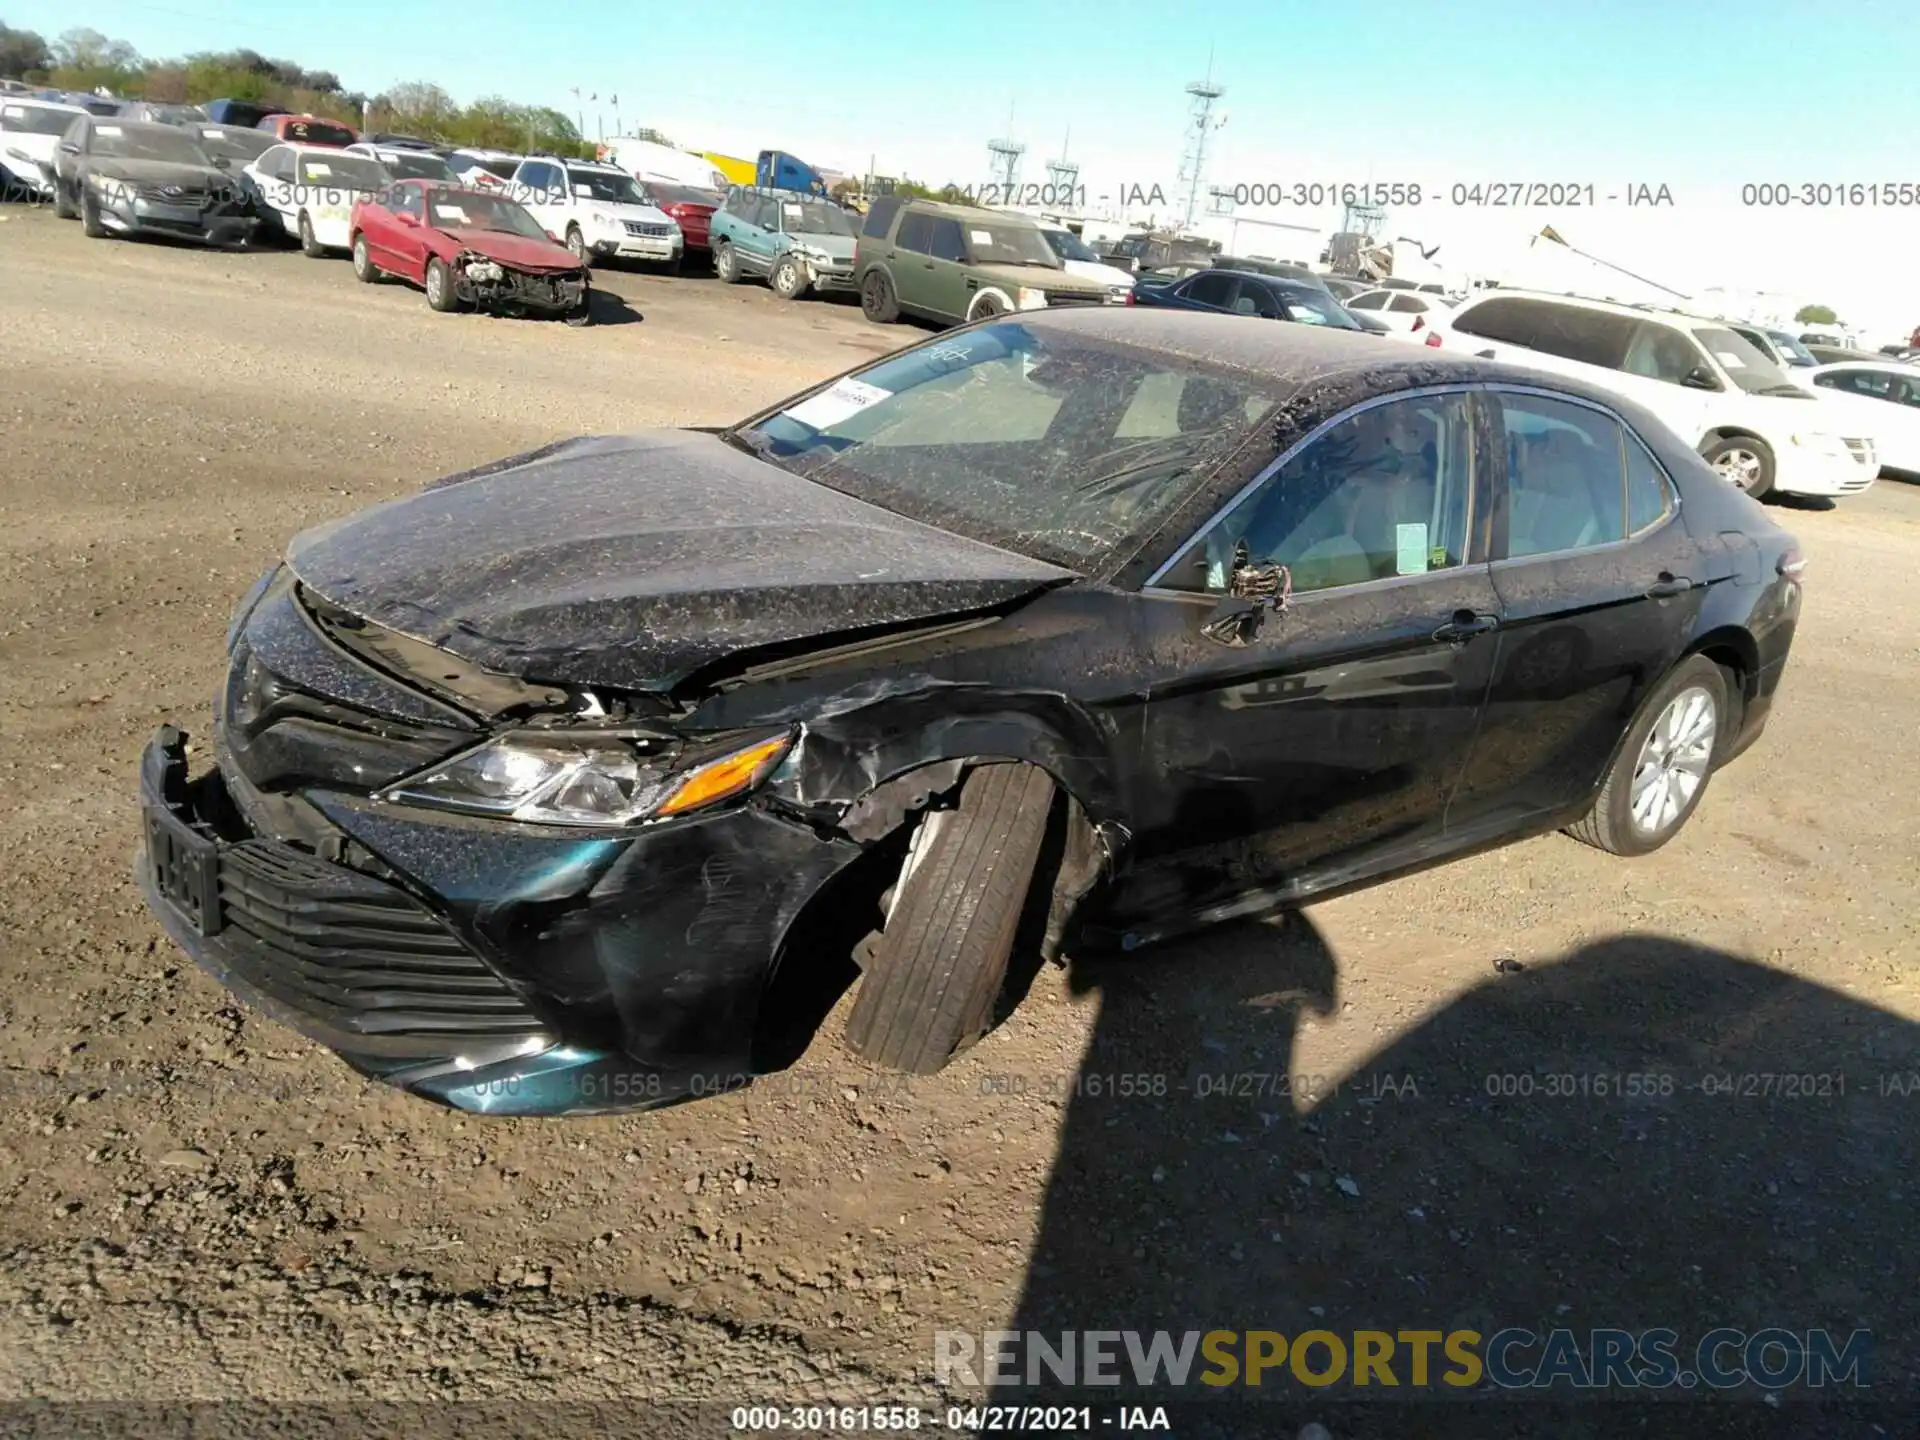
(554,787)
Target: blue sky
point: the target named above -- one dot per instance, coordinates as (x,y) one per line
(1701,95)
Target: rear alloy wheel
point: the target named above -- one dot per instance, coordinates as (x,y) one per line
(789,280)
(877,300)
(310,245)
(726,265)
(363,267)
(1744,461)
(440,291)
(930,985)
(1663,767)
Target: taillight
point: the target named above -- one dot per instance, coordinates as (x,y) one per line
(1433,339)
(1793,565)
(1129,297)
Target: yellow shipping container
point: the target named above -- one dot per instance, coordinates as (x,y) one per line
(740,172)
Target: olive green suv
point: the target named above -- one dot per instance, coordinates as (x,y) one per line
(955,263)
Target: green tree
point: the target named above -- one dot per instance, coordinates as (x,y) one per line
(23,53)
(1816,315)
(87,60)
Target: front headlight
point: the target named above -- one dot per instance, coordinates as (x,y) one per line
(591,781)
(485,271)
(1028,298)
(1818,442)
(604,220)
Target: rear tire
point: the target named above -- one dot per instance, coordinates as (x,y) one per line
(1647,796)
(726,265)
(440,292)
(1744,462)
(877,300)
(929,989)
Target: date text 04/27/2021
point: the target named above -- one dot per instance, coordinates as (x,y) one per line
(1319,194)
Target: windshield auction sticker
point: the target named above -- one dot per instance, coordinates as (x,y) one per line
(838,402)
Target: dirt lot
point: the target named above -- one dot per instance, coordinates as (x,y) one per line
(198,1204)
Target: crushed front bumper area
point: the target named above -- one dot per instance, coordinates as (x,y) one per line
(489,285)
(535,996)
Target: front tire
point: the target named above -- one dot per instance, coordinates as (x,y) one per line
(364,270)
(788,280)
(986,307)
(1664,764)
(577,243)
(877,300)
(440,291)
(930,986)
(62,207)
(1743,461)
(90,218)
(726,265)
(310,245)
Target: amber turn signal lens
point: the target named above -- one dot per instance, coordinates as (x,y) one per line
(729,775)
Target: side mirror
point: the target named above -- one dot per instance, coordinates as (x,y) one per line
(1700,378)
(67,147)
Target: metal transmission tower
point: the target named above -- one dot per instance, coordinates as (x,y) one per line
(1063,176)
(1193,162)
(1367,220)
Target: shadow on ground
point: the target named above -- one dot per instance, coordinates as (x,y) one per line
(1467,1177)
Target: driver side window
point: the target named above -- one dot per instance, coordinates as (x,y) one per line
(1384,492)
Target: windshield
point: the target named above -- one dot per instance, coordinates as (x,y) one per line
(1312,307)
(991,244)
(1069,246)
(1049,444)
(608,186)
(1791,350)
(146,142)
(1748,366)
(351,172)
(813,217)
(406,165)
(33,120)
(233,144)
(476,210)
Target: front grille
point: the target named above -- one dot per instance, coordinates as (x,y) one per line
(1862,451)
(194,196)
(545,290)
(651,232)
(1066,297)
(356,952)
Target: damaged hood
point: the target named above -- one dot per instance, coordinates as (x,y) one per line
(520,251)
(634,561)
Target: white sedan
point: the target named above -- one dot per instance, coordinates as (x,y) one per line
(1406,312)
(1884,396)
(312,188)
(29,131)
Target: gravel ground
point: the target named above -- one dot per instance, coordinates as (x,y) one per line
(198,1205)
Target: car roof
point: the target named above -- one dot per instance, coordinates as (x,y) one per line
(118,124)
(1605,307)
(964,212)
(1889,365)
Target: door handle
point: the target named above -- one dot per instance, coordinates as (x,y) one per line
(1668,586)
(1464,626)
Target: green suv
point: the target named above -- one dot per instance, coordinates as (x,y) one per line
(955,263)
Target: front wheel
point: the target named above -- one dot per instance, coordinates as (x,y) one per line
(1663,767)
(789,280)
(440,291)
(364,269)
(986,308)
(930,985)
(726,265)
(877,300)
(310,245)
(577,243)
(1744,461)
(62,207)
(90,218)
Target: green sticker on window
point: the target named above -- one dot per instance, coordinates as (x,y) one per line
(1437,558)
(1411,543)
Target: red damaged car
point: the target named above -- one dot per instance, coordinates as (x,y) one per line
(469,249)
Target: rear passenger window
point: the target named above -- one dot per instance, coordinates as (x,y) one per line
(916,233)
(948,243)
(1649,492)
(1573,332)
(1565,476)
(1506,321)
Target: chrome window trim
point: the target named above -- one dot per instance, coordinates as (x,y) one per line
(1273,467)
